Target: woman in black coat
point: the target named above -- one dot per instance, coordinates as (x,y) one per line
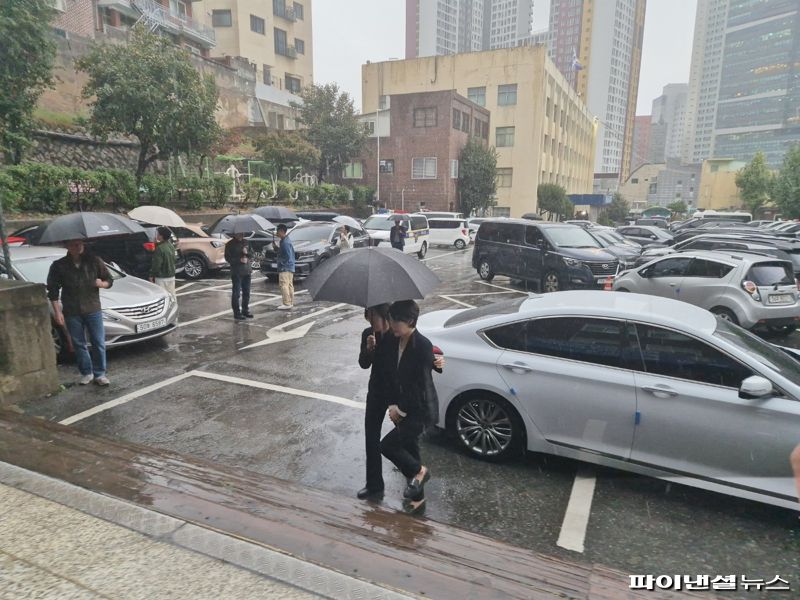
(413,405)
(372,356)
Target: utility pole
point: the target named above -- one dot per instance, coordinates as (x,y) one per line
(6,251)
(378,159)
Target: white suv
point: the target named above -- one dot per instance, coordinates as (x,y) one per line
(417,231)
(449,232)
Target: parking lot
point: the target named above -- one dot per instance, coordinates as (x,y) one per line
(282,394)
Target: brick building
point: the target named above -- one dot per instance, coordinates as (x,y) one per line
(421,136)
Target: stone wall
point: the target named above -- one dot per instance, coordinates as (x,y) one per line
(27,355)
(76,149)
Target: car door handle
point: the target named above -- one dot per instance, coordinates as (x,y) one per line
(517,367)
(660,391)
(673,284)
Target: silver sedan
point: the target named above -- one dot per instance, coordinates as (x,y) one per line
(640,383)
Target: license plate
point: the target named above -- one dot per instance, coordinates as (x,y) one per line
(780,299)
(157,324)
(274,266)
(604,279)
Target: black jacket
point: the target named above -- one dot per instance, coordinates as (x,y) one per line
(378,361)
(410,385)
(234,251)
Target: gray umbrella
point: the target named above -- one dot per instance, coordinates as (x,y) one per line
(244,224)
(276,213)
(369,276)
(88,226)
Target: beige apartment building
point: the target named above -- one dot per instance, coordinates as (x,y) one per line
(541,129)
(718,190)
(275,37)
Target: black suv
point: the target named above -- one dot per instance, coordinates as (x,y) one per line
(556,256)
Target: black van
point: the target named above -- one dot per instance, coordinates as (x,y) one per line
(556,256)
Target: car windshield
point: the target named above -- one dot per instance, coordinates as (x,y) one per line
(767,354)
(379,223)
(571,237)
(36,270)
(316,233)
(772,273)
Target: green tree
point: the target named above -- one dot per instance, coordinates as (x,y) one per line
(678,208)
(786,186)
(552,199)
(332,126)
(618,210)
(755,183)
(26,63)
(150,90)
(477,173)
(287,151)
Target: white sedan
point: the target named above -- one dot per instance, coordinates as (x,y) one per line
(640,383)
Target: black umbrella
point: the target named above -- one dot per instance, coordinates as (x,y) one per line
(88,226)
(248,223)
(276,213)
(369,276)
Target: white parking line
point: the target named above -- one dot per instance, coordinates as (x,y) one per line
(442,255)
(124,399)
(500,287)
(185,285)
(451,299)
(224,312)
(215,377)
(460,295)
(576,517)
(221,286)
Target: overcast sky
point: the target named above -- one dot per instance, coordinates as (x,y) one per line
(347,34)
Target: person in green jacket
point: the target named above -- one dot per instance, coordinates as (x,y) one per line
(162,267)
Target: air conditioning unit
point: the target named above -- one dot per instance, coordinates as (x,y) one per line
(193,50)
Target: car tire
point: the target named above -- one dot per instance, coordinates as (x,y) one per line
(256,260)
(195,267)
(423,251)
(551,282)
(725,314)
(781,329)
(485,271)
(460,244)
(486,426)
(624,290)
(60,344)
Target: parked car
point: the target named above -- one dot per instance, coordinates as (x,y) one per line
(739,230)
(556,256)
(581,223)
(449,232)
(625,252)
(201,252)
(317,215)
(662,223)
(259,241)
(442,215)
(646,235)
(473,224)
(417,231)
(314,243)
(747,289)
(637,383)
(134,310)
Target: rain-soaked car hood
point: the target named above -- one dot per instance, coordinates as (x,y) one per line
(590,254)
(130,291)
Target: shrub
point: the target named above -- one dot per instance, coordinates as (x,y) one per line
(156,190)
(190,191)
(9,192)
(120,187)
(42,188)
(218,189)
(257,190)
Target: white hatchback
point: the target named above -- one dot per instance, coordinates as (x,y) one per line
(417,236)
(449,232)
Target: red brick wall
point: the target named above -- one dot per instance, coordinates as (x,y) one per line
(78,18)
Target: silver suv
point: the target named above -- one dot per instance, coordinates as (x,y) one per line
(747,289)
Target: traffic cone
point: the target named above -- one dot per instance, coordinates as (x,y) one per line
(607,286)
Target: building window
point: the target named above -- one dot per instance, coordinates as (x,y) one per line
(425,117)
(423,168)
(353,170)
(300,46)
(507,94)
(504,137)
(293,84)
(369,127)
(465,123)
(635,180)
(505,177)
(257,24)
(456,119)
(267,75)
(453,169)
(477,95)
(298,11)
(387,166)
(281,43)
(477,130)
(221,18)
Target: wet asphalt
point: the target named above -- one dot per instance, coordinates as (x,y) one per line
(637,524)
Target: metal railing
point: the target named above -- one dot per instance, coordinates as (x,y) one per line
(286,12)
(161,15)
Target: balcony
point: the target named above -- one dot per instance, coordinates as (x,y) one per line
(283,11)
(157,15)
(287,51)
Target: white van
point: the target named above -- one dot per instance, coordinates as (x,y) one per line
(738,216)
(449,232)
(442,215)
(417,231)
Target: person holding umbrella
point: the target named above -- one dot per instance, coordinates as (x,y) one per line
(373,356)
(397,235)
(162,266)
(286,267)
(237,253)
(413,404)
(73,286)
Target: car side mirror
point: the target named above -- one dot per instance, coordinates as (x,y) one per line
(4,276)
(653,237)
(116,266)
(645,273)
(755,387)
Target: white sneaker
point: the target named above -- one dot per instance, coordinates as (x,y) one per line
(86,379)
(286,307)
(103,380)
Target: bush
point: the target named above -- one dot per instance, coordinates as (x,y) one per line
(257,190)
(120,187)
(217,190)
(190,192)
(41,188)
(9,193)
(156,190)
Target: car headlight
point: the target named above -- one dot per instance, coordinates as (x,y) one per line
(109,317)
(572,262)
(306,254)
(217,244)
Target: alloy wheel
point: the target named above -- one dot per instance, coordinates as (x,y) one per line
(460,245)
(551,283)
(484,427)
(194,268)
(485,270)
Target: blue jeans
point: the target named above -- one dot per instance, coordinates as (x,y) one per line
(78,326)
(241,288)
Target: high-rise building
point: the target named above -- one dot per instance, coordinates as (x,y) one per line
(669,113)
(641,141)
(758,105)
(439,27)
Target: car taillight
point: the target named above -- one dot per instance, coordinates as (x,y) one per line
(150,246)
(752,289)
(464,232)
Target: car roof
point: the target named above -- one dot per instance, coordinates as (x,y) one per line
(22,253)
(545,224)
(728,255)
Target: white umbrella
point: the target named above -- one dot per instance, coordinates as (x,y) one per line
(157,215)
(349,221)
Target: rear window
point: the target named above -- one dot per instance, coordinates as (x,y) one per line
(442,224)
(507,307)
(508,233)
(418,223)
(771,273)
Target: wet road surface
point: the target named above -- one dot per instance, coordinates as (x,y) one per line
(283,395)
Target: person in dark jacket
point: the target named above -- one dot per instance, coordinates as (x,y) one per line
(162,266)
(237,253)
(77,280)
(413,405)
(373,356)
(397,235)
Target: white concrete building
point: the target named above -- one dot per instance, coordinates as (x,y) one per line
(669,110)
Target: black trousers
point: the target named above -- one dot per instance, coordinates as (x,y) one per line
(241,287)
(373,420)
(401,446)
(397,245)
